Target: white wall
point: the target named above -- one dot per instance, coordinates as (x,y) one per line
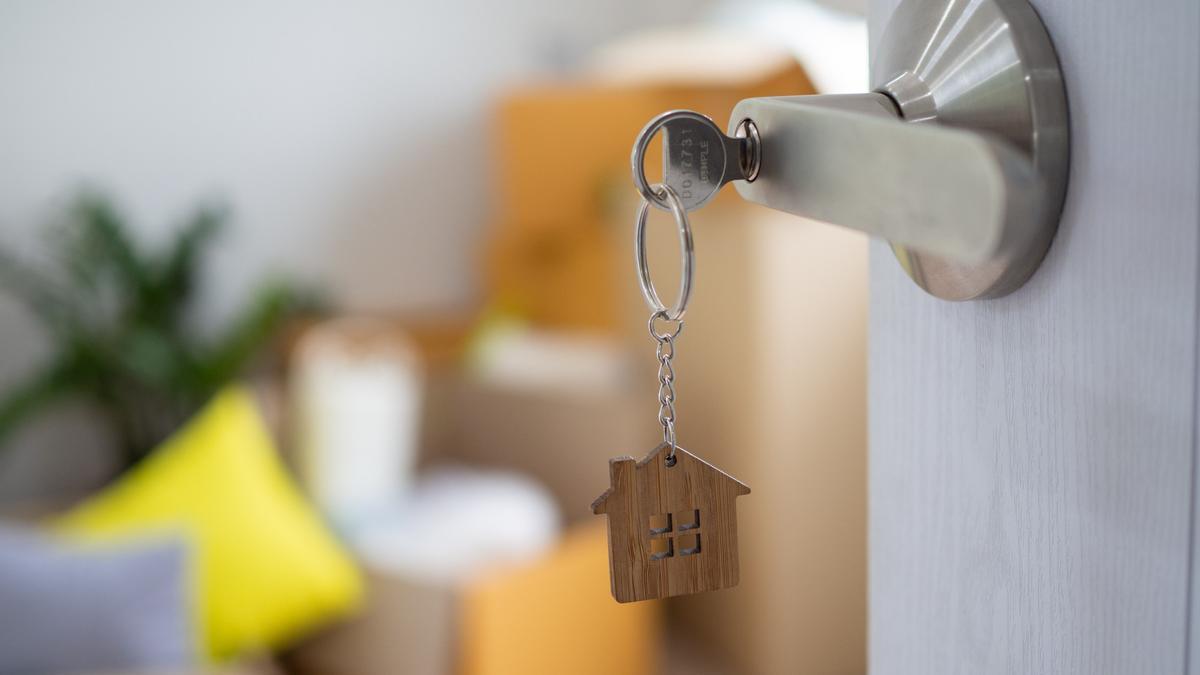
(350,137)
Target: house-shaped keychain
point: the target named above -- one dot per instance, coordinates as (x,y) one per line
(672,527)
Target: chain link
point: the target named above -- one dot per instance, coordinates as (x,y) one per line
(665,352)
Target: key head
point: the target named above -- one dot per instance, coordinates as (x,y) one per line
(697,158)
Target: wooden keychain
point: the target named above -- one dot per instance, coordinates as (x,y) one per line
(672,518)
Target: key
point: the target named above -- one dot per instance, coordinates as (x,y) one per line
(697,158)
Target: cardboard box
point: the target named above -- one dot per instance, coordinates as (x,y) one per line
(562,439)
(772,387)
(406,627)
(562,165)
(557,616)
(554,615)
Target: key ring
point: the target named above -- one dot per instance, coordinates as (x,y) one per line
(687,256)
(643,143)
(671,484)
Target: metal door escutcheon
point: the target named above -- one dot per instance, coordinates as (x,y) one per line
(958,157)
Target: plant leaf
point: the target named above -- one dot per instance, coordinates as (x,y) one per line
(41,294)
(33,393)
(251,328)
(106,243)
(177,278)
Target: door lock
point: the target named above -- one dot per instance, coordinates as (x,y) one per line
(958,158)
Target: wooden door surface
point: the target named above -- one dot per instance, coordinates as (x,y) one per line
(1032,461)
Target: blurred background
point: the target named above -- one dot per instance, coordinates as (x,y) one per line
(319,326)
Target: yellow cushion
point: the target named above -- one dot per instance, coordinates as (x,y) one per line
(266,569)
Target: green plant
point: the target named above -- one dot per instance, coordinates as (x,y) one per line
(117,318)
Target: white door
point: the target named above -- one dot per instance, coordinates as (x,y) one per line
(1032,463)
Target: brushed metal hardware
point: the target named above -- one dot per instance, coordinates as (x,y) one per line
(958,158)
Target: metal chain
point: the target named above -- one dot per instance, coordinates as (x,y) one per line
(665,351)
(662,195)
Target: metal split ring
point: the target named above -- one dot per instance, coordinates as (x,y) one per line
(665,337)
(686,254)
(752,160)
